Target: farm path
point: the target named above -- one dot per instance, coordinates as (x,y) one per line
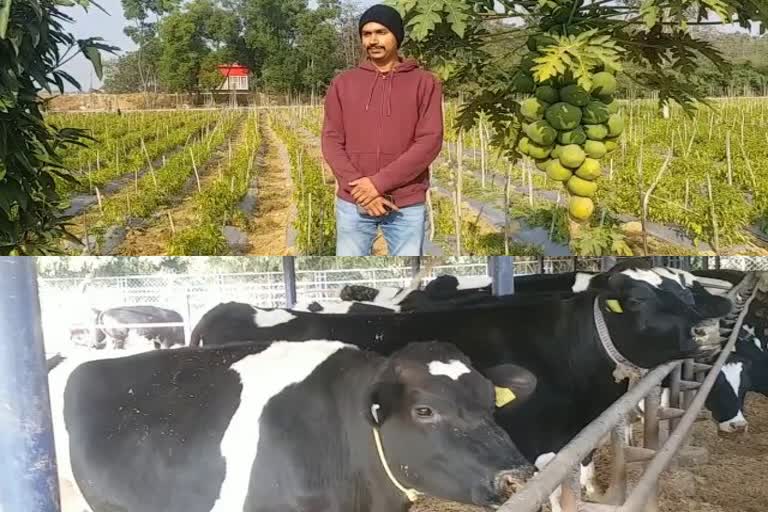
(151,238)
(271,227)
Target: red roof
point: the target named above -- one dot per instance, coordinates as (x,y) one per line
(233,70)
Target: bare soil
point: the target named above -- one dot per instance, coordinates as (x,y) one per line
(275,213)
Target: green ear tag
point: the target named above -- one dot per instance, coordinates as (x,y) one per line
(614,305)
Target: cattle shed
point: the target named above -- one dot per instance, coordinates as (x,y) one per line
(28,477)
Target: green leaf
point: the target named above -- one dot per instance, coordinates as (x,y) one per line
(93,55)
(457,17)
(5,14)
(423,24)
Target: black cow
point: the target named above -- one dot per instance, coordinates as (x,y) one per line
(267,427)
(111,323)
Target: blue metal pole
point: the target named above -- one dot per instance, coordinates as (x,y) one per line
(289,278)
(28,478)
(502,269)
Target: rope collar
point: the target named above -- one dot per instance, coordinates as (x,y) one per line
(625,369)
(411,494)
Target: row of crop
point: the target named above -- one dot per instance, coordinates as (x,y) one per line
(157,189)
(108,126)
(217,204)
(111,147)
(314,198)
(141,157)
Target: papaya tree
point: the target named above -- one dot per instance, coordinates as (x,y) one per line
(34,45)
(544,71)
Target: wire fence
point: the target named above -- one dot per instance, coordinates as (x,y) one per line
(65,303)
(68,302)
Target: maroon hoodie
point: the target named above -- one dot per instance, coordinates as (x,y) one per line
(388,127)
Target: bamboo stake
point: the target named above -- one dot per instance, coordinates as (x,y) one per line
(149,162)
(194,167)
(714,216)
(170,220)
(728,157)
(98,199)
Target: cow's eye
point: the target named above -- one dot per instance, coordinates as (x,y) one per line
(424,412)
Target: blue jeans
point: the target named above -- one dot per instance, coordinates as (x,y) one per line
(403,230)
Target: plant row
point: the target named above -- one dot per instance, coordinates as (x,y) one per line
(217,204)
(157,189)
(314,198)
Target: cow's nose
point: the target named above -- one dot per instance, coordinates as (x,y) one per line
(734,427)
(512,481)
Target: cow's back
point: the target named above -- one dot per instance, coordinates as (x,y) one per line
(141,432)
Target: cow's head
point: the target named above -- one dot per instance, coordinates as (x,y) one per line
(435,415)
(726,399)
(85,334)
(685,286)
(648,324)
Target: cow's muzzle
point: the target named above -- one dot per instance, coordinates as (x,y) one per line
(507,483)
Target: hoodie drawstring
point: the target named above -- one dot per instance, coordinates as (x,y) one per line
(373,88)
(387,92)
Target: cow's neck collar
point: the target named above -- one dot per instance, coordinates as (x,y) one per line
(411,494)
(625,369)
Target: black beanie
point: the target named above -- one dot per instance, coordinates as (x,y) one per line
(387,16)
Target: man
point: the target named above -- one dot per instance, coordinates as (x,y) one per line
(383,128)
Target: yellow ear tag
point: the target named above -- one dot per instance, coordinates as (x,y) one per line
(504,396)
(614,305)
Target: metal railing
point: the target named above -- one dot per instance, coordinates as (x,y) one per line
(563,470)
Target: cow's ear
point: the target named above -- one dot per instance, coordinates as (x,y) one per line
(383,398)
(514,384)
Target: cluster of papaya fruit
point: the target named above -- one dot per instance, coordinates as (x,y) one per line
(569,129)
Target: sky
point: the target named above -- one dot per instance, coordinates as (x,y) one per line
(95,23)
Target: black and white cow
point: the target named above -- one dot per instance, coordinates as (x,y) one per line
(443,292)
(317,426)
(112,323)
(553,336)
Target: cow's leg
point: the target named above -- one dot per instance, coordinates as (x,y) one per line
(118,341)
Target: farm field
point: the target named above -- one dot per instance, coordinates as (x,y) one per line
(253,182)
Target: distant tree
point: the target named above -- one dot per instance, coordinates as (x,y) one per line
(146,15)
(183,50)
(134,71)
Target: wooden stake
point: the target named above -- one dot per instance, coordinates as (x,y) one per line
(194,167)
(98,199)
(728,157)
(714,216)
(170,220)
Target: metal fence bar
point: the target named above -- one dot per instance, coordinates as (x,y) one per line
(503,274)
(28,477)
(538,489)
(289,278)
(137,325)
(648,482)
